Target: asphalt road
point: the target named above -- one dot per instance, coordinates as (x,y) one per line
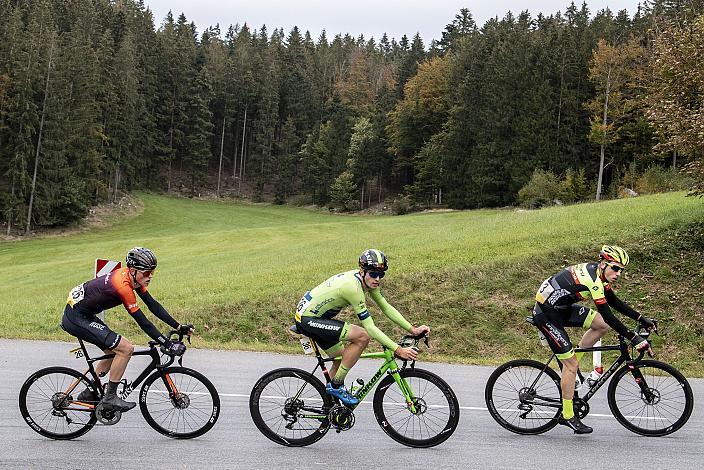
(235,442)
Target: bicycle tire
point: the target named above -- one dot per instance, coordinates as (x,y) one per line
(191,414)
(275,412)
(665,382)
(438,410)
(502,396)
(38,411)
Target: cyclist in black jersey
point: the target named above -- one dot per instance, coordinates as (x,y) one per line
(86,300)
(556,307)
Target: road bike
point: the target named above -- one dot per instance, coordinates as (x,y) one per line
(176,401)
(646,396)
(413,406)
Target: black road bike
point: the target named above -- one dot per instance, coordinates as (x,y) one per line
(413,406)
(176,401)
(646,396)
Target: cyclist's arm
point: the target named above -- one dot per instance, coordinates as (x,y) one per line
(597,291)
(388,309)
(614,322)
(354,295)
(157,309)
(619,304)
(147,326)
(377,334)
(130,302)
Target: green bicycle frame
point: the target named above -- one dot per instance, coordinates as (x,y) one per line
(389,366)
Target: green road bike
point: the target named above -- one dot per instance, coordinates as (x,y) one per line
(413,406)
(178,402)
(646,396)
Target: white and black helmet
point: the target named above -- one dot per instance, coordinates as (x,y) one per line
(141,259)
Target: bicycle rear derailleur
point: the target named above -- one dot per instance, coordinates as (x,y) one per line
(341,418)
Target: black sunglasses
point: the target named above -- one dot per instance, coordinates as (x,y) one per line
(376,274)
(616,268)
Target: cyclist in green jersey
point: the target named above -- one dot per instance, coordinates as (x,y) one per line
(317,308)
(556,307)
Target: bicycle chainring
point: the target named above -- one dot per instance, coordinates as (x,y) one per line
(107,417)
(581,408)
(341,417)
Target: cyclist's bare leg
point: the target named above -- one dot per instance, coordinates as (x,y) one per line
(102,367)
(569,374)
(596,330)
(123,352)
(358,339)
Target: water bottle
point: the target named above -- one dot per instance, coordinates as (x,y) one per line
(594,376)
(355,388)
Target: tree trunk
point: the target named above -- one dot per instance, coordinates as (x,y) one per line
(244,133)
(603,139)
(117,181)
(171,145)
(39,140)
(559,105)
(9,208)
(222,143)
(379,188)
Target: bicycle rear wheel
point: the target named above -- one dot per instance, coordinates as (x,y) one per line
(290,407)
(436,415)
(47,403)
(652,399)
(523,398)
(179,402)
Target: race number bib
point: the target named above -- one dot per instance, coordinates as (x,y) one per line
(303,303)
(76,295)
(544,292)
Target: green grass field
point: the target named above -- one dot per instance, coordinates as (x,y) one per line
(237,270)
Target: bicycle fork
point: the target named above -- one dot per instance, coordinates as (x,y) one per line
(405,390)
(646,392)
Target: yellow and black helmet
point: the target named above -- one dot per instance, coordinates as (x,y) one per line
(614,253)
(373,260)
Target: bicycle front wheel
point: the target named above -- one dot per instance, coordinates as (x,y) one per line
(47,403)
(179,402)
(290,407)
(431,419)
(652,399)
(524,396)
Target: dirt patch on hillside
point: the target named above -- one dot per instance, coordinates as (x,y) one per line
(101,216)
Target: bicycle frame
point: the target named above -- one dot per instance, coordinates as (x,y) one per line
(389,366)
(624,357)
(155,364)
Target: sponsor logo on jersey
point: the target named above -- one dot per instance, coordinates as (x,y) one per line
(97,325)
(557,295)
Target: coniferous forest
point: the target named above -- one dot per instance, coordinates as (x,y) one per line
(98,97)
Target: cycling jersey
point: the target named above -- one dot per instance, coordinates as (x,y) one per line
(342,290)
(557,295)
(105,292)
(102,293)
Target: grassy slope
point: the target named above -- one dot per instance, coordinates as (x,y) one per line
(237,270)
